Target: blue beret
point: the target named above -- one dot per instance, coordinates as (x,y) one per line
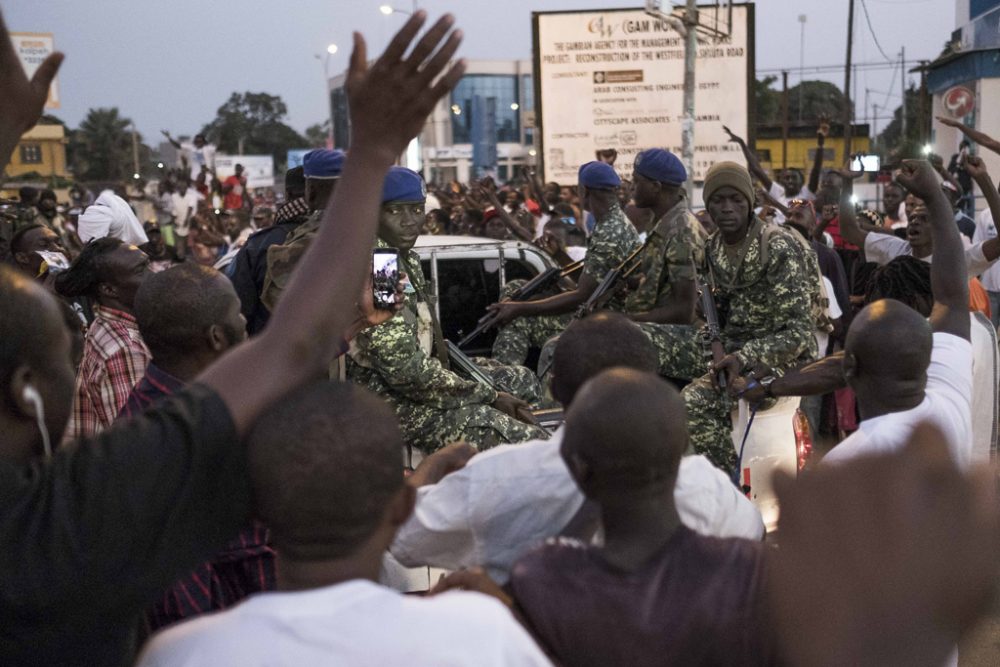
(402,184)
(323,163)
(599,175)
(659,165)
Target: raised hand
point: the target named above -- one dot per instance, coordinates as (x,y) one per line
(884,560)
(21,100)
(950,122)
(919,177)
(732,137)
(975,167)
(390,102)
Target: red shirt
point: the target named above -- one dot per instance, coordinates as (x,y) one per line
(234,198)
(833,229)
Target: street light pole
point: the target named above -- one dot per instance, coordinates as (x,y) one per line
(802,56)
(331,49)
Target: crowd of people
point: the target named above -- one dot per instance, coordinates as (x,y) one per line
(218,448)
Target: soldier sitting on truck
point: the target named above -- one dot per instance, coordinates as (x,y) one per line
(405,360)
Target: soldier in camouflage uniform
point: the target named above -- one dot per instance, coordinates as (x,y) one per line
(674,248)
(405,360)
(529,324)
(764,306)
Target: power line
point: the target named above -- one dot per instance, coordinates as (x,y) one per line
(868,20)
(820,69)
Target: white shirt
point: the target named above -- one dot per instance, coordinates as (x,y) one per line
(181,204)
(198,157)
(947,405)
(510,498)
(832,311)
(986,230)
(985,380)
(883,248)
(777,193)
(357,623)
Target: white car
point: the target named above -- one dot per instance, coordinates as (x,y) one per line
(467,274)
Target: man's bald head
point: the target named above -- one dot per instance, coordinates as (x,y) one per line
(594,344)
(888,344)
(625,434)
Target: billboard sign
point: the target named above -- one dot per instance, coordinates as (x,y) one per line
(615,79)
(33,48)
(258,169)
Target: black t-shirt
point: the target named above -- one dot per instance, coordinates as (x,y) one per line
(699,601)
(90,539)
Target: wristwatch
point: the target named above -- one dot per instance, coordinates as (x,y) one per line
(766,383)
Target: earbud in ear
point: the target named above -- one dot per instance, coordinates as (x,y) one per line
(31,395)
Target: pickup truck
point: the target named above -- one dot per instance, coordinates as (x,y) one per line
(467,273)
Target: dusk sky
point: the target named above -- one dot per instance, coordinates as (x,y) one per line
(171,65)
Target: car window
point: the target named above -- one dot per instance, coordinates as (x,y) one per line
(465,288)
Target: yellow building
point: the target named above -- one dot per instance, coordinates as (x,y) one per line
(802,146)
(42,149)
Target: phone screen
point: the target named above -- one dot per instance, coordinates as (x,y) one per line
(385,276)
(869,163)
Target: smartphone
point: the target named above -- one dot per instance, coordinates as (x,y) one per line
(385,276)
(870,163)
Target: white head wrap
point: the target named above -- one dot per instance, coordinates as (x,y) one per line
(110,216)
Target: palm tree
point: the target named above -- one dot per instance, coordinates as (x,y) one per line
(102,146)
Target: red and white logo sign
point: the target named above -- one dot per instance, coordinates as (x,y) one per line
(959,102)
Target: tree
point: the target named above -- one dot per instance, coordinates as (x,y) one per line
(101,148)
(817,98)
(316,135)
(892,141)
(255,123)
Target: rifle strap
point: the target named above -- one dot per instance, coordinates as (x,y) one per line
(440,347)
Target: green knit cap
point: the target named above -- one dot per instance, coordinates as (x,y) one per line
(728,173)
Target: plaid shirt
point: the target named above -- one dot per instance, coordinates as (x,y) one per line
(114,359)
(244,567)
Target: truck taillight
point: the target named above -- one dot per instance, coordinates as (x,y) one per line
(803,438)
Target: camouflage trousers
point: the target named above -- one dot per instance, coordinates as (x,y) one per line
(482,426)
(516,338)
(682,356)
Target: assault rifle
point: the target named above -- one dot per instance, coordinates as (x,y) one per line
(609,285)
(538,284)
(711,334)
(549,419)
(461,364)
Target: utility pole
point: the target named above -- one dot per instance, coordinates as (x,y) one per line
(802,56)
(902,88)
(135,150)
(687,127)
(848,108)
(784,119)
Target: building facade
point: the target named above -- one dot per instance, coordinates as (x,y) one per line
(42,150)
(445,149)
(964,81)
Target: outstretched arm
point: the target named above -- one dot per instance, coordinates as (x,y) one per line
(981,138)
(977,169)
(752,163)
(389,103)
(21,99)
(817,168)
(949,282)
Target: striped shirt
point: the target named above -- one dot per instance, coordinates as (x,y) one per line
(244,567)
(114,359)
